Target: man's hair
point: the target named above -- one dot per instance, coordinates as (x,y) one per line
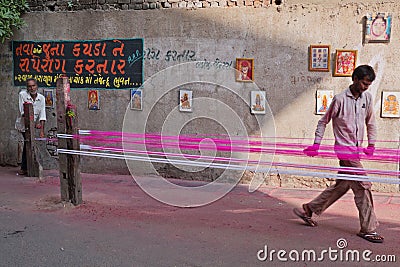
(363,71)
(31,79)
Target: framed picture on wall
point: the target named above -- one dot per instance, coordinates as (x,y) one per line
(245,69)
(93,100)
(345,62)
(390,105)
(136,99)
(257,102)
(49,98)
(324,99)
(319,58)
(185,100)
(378,27)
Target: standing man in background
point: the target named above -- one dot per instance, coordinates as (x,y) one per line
(31,95)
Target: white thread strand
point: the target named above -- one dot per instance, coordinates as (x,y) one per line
(232,167)
(288,165)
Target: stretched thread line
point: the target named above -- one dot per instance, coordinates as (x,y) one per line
(229,166)
(185,139)
(380,155)
(289,152)
(254,162)
(113,133)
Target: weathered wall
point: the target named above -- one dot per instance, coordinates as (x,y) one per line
(73,5)
(277,37)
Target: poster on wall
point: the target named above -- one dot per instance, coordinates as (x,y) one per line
(390,105)
(257,102)
(93,100)
(244,67)
(136,99)
(324,100)
(185,100)
(345,62)
(49,98)
(378,27)
(319,58)
(95,64)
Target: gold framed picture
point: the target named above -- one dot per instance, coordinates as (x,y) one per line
(345,62)
(245,69)
(319,58)
(93,100)
(49,98)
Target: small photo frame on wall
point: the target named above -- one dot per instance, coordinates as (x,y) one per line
(245,69)
(390,105)
(257,102)
(345,62)
(48,98)
(319,58)
(324,100)
(185,100)
(378,27)
(93,100)
(136,99)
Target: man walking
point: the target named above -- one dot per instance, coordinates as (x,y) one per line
(349,111)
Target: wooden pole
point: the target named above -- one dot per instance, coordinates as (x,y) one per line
(31,158)
(73,167)
(62,142)
(69,165)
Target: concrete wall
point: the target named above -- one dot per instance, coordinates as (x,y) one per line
(73,5)
(276,36)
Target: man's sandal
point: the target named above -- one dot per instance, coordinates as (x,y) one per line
(373,237)
(22,172)
(305,218)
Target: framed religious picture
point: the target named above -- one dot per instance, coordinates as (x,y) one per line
(324,99)
(49,98)
(390,105)
(378,27)
(319,58)
(185,100)
(345,62)
(244,69)
(93,100)
(257,102)
(136,99)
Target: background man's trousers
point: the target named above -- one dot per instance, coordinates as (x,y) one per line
(24,164)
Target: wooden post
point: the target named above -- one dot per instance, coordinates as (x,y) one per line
(67,123)
(31,158)
(73,167)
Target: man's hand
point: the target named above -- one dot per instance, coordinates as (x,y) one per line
(311,151)
(369,150)
(40,126)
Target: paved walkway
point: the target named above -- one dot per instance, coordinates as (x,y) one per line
(120,225)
